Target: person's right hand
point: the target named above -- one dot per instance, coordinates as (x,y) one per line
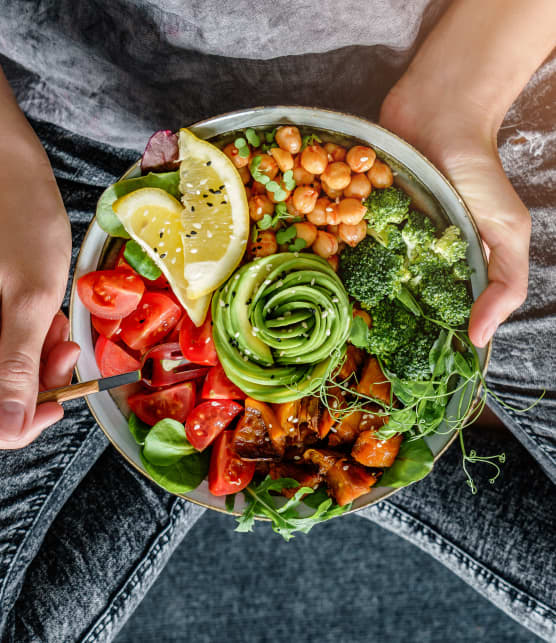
(35,251)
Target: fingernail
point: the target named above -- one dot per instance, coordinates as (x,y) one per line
(12,416)
(489,332)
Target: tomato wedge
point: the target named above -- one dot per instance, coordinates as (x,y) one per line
(228,473)
(106,327)
(197,343)
(153,319)
(164,365)
(113,359)
(174,402)
(217,386)
(110,294)
(209,419)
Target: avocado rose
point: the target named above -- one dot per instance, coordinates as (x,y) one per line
(280,324)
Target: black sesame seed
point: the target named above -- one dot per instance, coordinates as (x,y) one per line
(278,339)
(205,196)
(163,256)
(227,306)
(233,293)
(209,163)
(192,208)
(248,302)
(188,236)
(272,377)
(161,234)
(221,187)
(209,204)
(193,232)
(223,202)
(155,249)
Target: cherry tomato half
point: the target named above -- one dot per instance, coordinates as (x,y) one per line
(164,364)
(106,327)
(209,419)
(217,386)
(113,359)
(110,294)
(197,343)
(153,319)
(227,472)
(174,402)
(121,263)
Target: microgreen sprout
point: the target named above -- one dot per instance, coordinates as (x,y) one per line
(289,181)
(297,245)
(242,147)
(286,234)
(252,137)
(310,139)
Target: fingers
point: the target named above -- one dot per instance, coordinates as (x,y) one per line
(57,333)
(45,415)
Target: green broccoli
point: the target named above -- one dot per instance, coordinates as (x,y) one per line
(461,270)
(411,361)
(390,237)
(418,233)
(389,205)
(371,272)
(392,326)
(450,246)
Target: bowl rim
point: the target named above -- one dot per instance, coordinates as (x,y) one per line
(246,112)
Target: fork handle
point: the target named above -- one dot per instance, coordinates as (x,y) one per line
(71,392)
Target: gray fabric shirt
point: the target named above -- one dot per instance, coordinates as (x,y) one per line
(116,71)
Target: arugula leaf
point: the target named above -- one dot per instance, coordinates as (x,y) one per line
(414,462)
(359,334)
(182,476)
(286,519)
(105,215)
(166,443)
(138,429)
(140,261)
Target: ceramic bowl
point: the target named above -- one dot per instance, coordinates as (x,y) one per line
(428,188)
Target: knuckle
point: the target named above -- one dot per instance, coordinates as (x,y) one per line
(17,369)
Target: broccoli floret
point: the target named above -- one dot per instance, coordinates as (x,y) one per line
(389,205)
(418,233)
(371,272)
(392,326)
(411,361)
(461,270)
(450,246)
(390,237)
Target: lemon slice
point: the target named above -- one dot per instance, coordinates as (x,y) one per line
(153,218)
(216,214)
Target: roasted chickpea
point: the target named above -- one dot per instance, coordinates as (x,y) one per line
(305,198)
(292,210)
(359,187)
(337,175)
(352,234)
(259,205)
(300,174)
(283,158)
(307,232)
(360,158)
(364,316)
(319,212)
(245,174)
(268,166)
(314,159)
(335,152)
(333,229)
(380,175)
(334,262)
(325,244)
(248,194)
(264,244)
(258,188)
(332,215)
(289,139)
(351,211)
(232,153)
(330,193)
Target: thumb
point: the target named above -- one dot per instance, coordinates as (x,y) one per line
(24,323)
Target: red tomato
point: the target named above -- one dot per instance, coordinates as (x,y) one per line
(209,419)
(110,294)
(217,386)
(106,327)
(153,319)
(197,343)
(122,264)
(174,402)
(164,364)
(228,473)
(113,359)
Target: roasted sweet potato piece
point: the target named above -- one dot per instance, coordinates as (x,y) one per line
(323,458)
(373,382)
(326,422)
(353,360)
(370,420)
(307,476)
(310,412)
(258,435)
(373,452)
(346,429)
(288,417)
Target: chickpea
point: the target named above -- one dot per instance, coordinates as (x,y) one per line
(364,316)
(289,139)
(264,244)
(332,194)
(359,187)
(247,192)
(314,159)
(292,210)
(232,153)
(268,166)
(325,244)
(300,174)
(332,215)
(305,198)
(337,175)
(360,158)
(333,229)
(380,175)
(258,188)
(352,234)
(334,262)
(244,174)
(319,212)
(335,152)
(259,205)
(351,211)
(283,158)
(307,232)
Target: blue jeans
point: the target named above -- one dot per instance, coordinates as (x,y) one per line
(83,536)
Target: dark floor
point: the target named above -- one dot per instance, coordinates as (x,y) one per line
(348,581)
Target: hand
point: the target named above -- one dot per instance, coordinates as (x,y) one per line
(35,250)
(463,147)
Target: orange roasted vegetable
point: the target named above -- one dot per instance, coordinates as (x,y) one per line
(346,430)
(373,382)
(353,359)
(259,435)
(307,477)
(373,452)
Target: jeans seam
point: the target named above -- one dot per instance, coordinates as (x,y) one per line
(504,586)
(68,460)
(146,563)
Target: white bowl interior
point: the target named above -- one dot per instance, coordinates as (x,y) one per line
(429,189)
